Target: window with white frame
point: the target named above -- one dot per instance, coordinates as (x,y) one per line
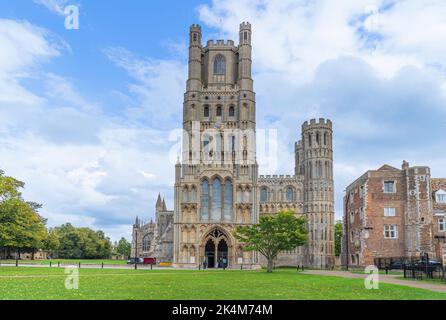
(389,212)
(390,231)
(440,196)
(442,224)
(389,187)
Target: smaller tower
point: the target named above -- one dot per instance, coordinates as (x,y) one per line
(245,57)
(317,160)
(159,204)
(418,231)
(195,50)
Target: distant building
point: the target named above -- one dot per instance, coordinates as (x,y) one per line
(394,213)
(154,239)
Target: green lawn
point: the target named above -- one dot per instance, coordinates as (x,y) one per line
(66,261)
(46,283)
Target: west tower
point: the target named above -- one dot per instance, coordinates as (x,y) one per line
(215,186)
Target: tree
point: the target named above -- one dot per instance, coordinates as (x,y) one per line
(21,226)
(338,237)
(124,248)
(274,233)
(82,243)
(51,243)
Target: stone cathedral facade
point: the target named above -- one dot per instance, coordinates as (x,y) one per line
(217,185)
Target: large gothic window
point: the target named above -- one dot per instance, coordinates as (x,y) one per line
(228,202)
(263,195)
(231,111)
(220,65)
(289,194)
(146,243)
(216,199)
(205,200)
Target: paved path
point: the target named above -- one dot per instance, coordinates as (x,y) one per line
(386,278)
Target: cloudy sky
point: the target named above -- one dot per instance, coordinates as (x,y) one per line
(88,117)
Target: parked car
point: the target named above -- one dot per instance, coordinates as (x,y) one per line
(432,263)
(397,265)
(135,261)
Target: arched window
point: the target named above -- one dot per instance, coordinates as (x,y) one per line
(219,113)
(220,65)
(263,195)
(289,194)
(228,202)
(146,243)
(216,199)
(206,111)
(231,111)
(205,200)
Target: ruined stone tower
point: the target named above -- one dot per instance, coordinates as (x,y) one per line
(314,159)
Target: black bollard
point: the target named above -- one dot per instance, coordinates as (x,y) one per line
(102,265)
(16,262)
(79,264)
(151,266)
(50,264)
(58,264)
(241,267)
(136,266)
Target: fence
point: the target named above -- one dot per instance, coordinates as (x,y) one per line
(74,263)
(413,267)
(426,271)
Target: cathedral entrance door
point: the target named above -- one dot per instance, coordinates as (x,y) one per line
(209,253)
(222,253)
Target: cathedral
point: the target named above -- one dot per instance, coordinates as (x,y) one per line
(217,184)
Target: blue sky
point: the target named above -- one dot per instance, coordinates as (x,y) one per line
(88,116)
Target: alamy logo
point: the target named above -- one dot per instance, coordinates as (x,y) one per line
(72,17)
(371,282)
(72,279)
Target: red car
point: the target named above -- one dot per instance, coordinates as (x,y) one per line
(149,260)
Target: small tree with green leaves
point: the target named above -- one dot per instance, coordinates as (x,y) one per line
(274,233)
(123,248)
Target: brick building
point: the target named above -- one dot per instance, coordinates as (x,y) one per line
(394,213)
(439,196)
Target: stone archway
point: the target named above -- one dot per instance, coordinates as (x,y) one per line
(215,249)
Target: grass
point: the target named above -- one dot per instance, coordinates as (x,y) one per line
(110,284)
(66,261)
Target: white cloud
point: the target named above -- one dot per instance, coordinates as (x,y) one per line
(56,6)
(84,166)
(158,90)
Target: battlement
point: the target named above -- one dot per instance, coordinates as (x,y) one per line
(245,25)
(195,27)
(317,124)
(220,43)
